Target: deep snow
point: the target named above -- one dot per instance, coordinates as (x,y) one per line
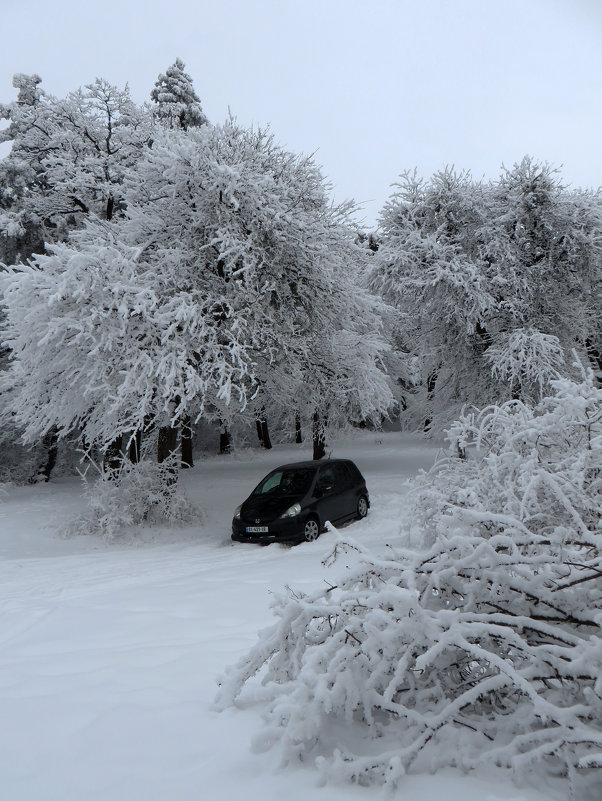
(110,650)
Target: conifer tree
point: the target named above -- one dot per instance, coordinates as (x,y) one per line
(20,231)
(177,103)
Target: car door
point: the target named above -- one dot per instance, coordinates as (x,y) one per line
(346,500)
(334,490)
(326,495)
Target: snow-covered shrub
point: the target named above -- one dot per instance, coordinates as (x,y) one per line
(480,645)
(132,495)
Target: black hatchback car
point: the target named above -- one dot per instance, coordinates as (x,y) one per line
(292,503)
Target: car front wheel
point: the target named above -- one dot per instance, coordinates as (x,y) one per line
(362,507)
(311,530)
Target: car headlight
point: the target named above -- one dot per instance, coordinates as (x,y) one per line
(292,511)
(237,512)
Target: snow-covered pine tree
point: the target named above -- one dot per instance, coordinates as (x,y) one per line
(478,641)
(177,103)
(20,232)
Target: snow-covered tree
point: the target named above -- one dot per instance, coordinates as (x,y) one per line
(69,156)
(479,272)
(255,224)
(479,640)
(543,246)
(98,134)
(20,231)
(177,103)
(428,267)
(66,164)
(232,274)
(102,340)
(21,234)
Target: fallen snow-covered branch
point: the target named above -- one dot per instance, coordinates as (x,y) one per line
(482,645)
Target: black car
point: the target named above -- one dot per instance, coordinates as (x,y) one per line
(293,502)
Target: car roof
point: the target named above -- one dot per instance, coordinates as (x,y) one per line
(309,463)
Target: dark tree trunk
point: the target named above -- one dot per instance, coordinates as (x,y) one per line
(319,437)
(167,444)
(298,434)
(430,393)
(225,441)
(50,443)
(265,435)
(113,455)
(187,460)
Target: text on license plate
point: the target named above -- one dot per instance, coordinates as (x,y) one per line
(256,529)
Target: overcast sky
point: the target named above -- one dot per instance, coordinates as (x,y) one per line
(374,87)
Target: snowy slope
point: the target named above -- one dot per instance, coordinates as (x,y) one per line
(109,651)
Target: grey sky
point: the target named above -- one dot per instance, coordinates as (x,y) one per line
(374,87)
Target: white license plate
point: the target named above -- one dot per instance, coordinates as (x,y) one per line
(256,529)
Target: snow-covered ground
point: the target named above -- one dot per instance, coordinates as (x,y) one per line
(109,651)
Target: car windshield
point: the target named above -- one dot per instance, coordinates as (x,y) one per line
(293,481)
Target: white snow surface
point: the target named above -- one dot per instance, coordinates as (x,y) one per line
(110,650)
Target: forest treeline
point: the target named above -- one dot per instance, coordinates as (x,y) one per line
(161,272)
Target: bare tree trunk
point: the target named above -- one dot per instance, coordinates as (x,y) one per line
(50,443)
(186,443)
(225,441)
(430,393)
(298,433)
(113,455)
(265,435)
(319,437)
(167,444)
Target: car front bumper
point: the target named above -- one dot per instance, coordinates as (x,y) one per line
(289,531)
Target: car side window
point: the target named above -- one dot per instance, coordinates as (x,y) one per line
(326,479)
(342,476)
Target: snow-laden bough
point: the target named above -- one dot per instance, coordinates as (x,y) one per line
(484,645)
